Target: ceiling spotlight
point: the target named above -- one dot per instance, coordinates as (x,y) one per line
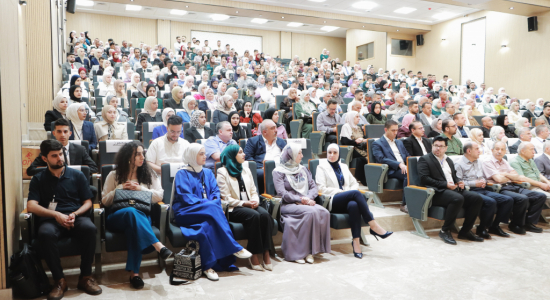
(404,10)
(178,12)
(259,21)
(294,24)
(397,29)
(237,12)
(324,21)
(185,6)
(329,28)
(363,26)
(282,17)
(219,17)
(133,7)
(364,5)
(512,7)
(443,39)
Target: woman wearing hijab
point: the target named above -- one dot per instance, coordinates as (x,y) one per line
(498,134)
(476,135)
(161,129)
(380,87)
(404,128)
(470,120)
(148,114)
(239,132)
(198,129)
(214,84)
(141,91)
(225,106)
(304,110)
(436,126)
(209,102)
(121,115)
(198,212)
(539,107)
(273,114)
(222,88)
(189,85)
(109,128)
(501,104)
(352,135)
(135,83)
(75,96)
(513,113)
(59,111)
(521,123)
(173,74)
(286,105)
(120,93)
(335,181)
(486,105)
(75,80)
(82,72)
(133,173)
(375,116)
(436,107)
(306,224)
(530,111)
(201,95)
(81,130)
(502,121)
(176,101)
(189,106)
(234,93)
(238,190)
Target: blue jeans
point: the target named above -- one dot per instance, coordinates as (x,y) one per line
(139,234)
(493,203)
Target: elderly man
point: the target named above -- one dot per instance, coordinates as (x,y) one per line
(475,111)
(454,145)
(328,121)
(266,146)
(355,106)
(462,131)
(426,116)
(542,133)
(487,123)
(543,161)
(469,170)
(524,136)
(422,92)
(214,145)
(169,148)
(528,204)
(351,93)
(450,110)
(335,93)
(399,108)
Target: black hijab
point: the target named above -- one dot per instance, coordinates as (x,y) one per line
(500,122)
(71,93)
(382,84)
(378,116)
(147,90)
(268,115)
(235,128)
(242,113)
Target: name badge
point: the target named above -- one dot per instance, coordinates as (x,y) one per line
(244,196)
(52,206)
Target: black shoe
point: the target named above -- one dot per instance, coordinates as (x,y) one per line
(383,236)
(470,236)
(516,229)
(358,255)
(404,209)
(136,282)
(498,231)
(447,237)
(165,253)
(483,233)
(532,228)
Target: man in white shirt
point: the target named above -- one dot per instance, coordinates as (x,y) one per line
(269,93)
(169,148)
(538,141)
(178,44)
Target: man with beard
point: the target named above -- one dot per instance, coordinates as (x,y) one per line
(169,148)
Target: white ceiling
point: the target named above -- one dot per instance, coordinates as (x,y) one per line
(384,10)
(204,18)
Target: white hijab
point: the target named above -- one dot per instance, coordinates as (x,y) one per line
(294,171)
(56,104)
(72,115)
(165,115)
(147,106)
(190,157)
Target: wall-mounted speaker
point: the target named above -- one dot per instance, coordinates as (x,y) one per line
(71,6)
(419,40)
(532,24)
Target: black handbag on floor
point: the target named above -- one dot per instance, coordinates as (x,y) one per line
(27,277)
(187,264)
(140,200)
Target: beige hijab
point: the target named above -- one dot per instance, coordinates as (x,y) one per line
(72,115)
(106,127)
(175,92)
(147,106)
(57,102)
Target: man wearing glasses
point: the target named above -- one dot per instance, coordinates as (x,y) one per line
(169,148)
(454,145)
(438,172)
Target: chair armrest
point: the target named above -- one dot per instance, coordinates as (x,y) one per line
(136,135)
(346,152)
(48,135)
(276,207)
(99,222)
(493,187)
(164,208)
(95,157)
(419,199)
(523,184)
(25,221)
(317,141)
(376,175)
(96,179)
(268,196)
(325,200)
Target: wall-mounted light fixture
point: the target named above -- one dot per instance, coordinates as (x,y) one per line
(443,39)
(22,2)
(503,46)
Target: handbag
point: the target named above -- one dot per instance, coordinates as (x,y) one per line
(187,264)
(140,200)
(27,277)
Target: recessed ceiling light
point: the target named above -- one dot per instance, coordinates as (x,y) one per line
(294,24)
(363,26)
(84,3)
(282,17)
(237,12)
(133,7)
(317,0)
(178,12)
(185,6)
(404,10)
(324,21)
(397,29)
(364,5)
(329,28)
(219,17)
(443,15)
(259,21)
(512,7)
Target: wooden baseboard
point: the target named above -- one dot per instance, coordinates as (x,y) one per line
(6,294)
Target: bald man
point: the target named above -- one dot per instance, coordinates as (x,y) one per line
(487,123)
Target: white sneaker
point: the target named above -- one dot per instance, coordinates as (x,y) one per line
(211,275)
(310,259)
(243,254)
(300,261)
(268,267)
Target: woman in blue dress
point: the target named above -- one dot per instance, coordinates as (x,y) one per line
(198,212)
(161,129)
(189,105)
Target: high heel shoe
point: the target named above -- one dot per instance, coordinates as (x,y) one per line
(358,255)
(255,267)
(382,236)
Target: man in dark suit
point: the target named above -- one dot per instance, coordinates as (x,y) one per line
(266,146)
(437,171)
(143,69)
(543,161)
(390,151)
(417,144)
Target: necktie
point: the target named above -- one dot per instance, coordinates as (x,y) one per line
(66,152)
(72,66)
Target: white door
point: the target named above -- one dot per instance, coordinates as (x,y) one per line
(472,64)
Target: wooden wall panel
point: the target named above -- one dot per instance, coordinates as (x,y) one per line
(163,33)
(309,45)
(356,37)
(286,44)
(118,28)
(10,57)
(39,58)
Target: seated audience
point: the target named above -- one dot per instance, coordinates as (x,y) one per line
(59,111)
(273,115)
(530,111)
(304,110)
(141,91)
(524,136)
(238,191)
(161,129)
(328,121)
(399,109)
(426,116)
(198,129)
(497,135)
(417,144)
(521,123)
(81,130)
(453,144)
(502,121)
(215,144)
(437,171)
(450,110)
(404,131)
(61,200)
(176,101)
(239,132)
(334,180)
(150,113)
(437,108)
(306,224)
(133,174)
(476,135)
(375,116)
(209,102)
(543,161)
(120,114)
(169,148)
(198,212)
(358,107)
(487,123)
(436,128)
(75,95)
(189,106)
(513,113)
(462,132)
(109,128)
(225,106)
(541,136)
(352,135)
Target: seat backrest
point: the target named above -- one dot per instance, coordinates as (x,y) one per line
(369,150)
(99,103)
(251,166)
(348,100)
(141,103)
(312,166)
(338,133)
(269,166)
(344,108)
(478,119)
(133,106)
(109,149)
(294,111)
(147,133)
(105,170)
(412,172)
(262,107)
(168,172)
(131,128)
(242,143)
(374,130)
(307,151)
(128,94)
(278,100)
(314,120)
(510,157)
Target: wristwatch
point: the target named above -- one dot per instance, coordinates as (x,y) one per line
(75,214)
